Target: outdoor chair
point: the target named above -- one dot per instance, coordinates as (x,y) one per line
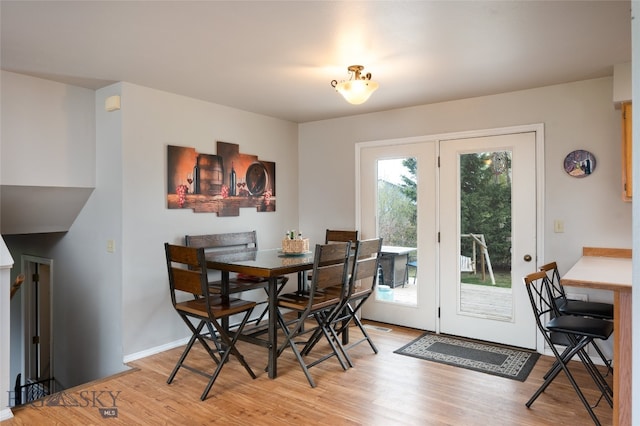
(573,331)
(324,295)
(412,264)
(188,275)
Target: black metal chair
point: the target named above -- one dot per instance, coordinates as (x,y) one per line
(575,307)
(324,295)
(572,306)
(187,270)
(574,332)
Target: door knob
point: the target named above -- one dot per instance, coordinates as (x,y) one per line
(527,258)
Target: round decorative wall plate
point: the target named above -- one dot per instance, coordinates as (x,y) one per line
(579,163)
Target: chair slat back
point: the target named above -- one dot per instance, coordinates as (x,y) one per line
(338,236)
(365,268)
(553,278)
(330,266)
(187,270)
(232,242)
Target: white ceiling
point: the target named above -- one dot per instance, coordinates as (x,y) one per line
(277,58)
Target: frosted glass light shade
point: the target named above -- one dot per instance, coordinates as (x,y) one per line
(356,91)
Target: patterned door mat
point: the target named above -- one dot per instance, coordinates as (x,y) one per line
(503,361)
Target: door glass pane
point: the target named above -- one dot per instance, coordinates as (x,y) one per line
(485,235)
(397,225)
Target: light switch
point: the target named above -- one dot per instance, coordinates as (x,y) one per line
(558,226)
(111,246)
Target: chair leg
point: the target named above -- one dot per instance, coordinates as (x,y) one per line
(230,344)
(289,342)
(195,335)
(562,366)
(364,332)
(356,320)
(334,341)
(606,361)
(593,371)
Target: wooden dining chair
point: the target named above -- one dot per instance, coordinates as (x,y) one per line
(330,269)
(363,275)
(340,236)
(573,332)
(235,242)
(188,275)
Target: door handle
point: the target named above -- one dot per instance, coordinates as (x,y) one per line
(527,258)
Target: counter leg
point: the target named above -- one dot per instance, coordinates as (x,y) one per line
(622,358)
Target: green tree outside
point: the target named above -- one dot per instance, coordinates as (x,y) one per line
(485,208)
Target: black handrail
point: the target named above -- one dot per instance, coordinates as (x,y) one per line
(33,390)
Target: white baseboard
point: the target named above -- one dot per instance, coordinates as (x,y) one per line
(155,350)
(6,414)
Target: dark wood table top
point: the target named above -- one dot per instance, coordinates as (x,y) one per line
(262,263)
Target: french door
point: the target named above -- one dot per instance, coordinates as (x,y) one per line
(411,303)
(475,233)
(488,237)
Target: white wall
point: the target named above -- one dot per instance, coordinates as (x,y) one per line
(109,306)
(48,132)
(48,139)
(151,120)
(576,116)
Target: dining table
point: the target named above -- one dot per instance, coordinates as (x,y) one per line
(269,264)
(610,269)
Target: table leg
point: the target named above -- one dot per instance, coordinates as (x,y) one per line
(345,329)
(302,281)
(224,294)
(273,329)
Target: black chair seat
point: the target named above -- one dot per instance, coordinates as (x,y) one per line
(587,309)
(591,327)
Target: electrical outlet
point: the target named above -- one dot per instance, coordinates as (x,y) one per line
(111,246)
(558,226)
(578,296)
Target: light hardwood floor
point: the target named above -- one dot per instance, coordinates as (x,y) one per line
(382,389)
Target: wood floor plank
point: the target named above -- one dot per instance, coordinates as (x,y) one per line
(383,389)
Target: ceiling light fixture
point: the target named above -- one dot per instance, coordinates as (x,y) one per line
(358,88)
